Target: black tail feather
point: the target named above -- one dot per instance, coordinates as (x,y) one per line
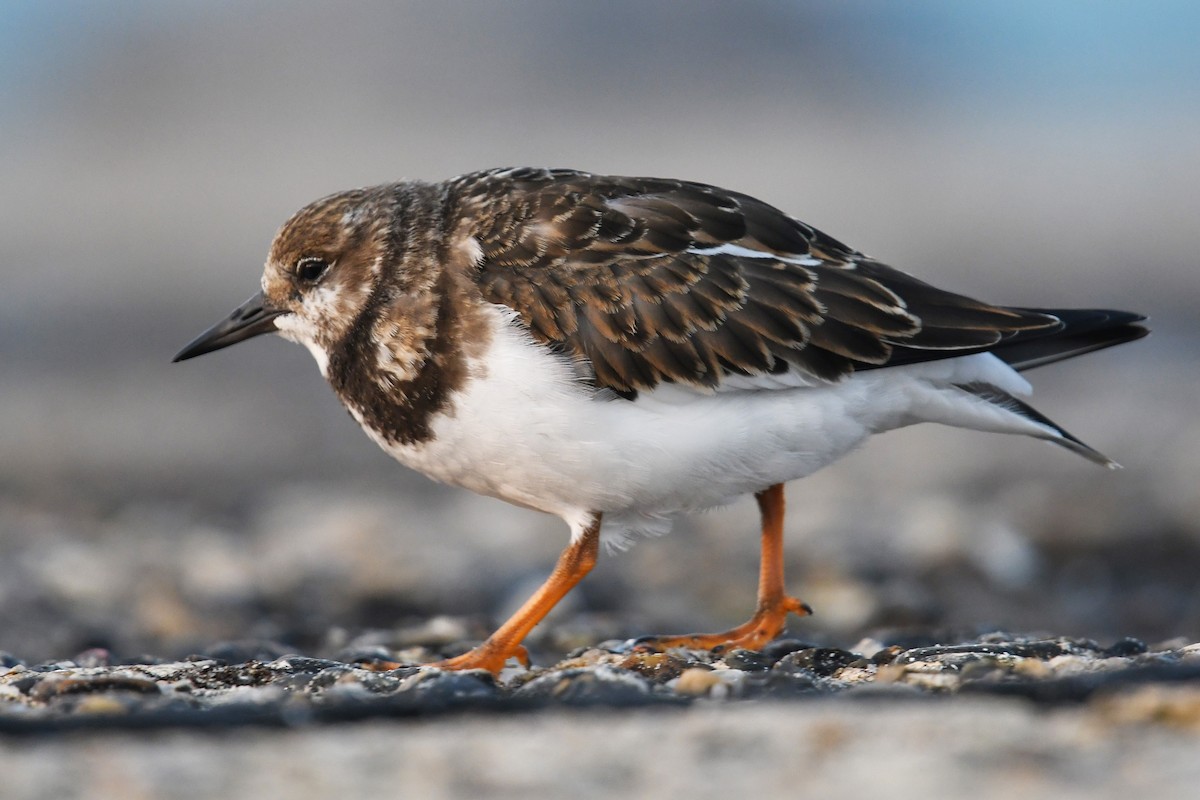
(1083,331)
(1076,332)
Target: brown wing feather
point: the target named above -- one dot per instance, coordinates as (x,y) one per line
(613,270)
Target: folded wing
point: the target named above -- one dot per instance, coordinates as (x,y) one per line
(653,281)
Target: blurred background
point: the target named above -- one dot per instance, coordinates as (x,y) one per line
(1028,153)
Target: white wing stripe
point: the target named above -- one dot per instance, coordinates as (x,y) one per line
(748,252)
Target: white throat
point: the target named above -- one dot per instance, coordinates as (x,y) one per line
(295,329)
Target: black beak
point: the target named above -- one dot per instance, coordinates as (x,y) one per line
(251,318)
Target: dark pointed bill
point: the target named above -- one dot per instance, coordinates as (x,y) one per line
(251,318)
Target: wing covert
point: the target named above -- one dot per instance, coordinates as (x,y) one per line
(654,280)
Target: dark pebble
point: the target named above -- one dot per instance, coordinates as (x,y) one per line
(887,655)
(820,661)
(8,660)
(748,660)
(1047,650)
(781,647)
(578,687)
(784,680)
(378,682)
(304,664)
(474,685)
(1125,648)
(788,666)
(1042,650)
(327,677)
(225,676)
(24,684)
(294,682)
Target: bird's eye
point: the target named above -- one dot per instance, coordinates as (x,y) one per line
(310,270)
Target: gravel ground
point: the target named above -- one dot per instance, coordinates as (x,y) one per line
(993,716)
(91,692)
(996,717)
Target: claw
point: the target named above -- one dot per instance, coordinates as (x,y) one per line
(767,623)
(486,656)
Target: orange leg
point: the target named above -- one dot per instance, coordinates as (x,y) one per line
(574,563)
(773,603)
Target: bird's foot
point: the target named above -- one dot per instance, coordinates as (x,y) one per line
(490,655)
(767,623)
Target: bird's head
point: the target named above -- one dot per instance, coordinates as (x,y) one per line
(323,268)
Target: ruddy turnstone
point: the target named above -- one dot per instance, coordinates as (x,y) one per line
(620,351)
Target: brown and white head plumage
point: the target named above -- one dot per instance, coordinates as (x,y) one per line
(364,281)
(325,263)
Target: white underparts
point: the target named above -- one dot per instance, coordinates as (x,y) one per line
(525,430)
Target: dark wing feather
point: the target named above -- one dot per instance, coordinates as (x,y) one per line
(654,280)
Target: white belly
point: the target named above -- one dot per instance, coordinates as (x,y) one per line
(525,430)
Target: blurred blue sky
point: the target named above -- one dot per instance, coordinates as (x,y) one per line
(1049,57)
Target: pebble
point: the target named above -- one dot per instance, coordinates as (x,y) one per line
(696,681)
(748,660)
(657,667)
(781,647)
(602,685)
(787,683)
(457,686)
(1127,647)
(820,661)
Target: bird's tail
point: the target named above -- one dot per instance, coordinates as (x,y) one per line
(1082,331)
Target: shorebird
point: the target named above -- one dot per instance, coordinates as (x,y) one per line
(620,351)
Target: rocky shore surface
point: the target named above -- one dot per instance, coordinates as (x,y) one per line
(990,715)
(255,683)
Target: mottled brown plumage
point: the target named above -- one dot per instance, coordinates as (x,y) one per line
(653,280)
